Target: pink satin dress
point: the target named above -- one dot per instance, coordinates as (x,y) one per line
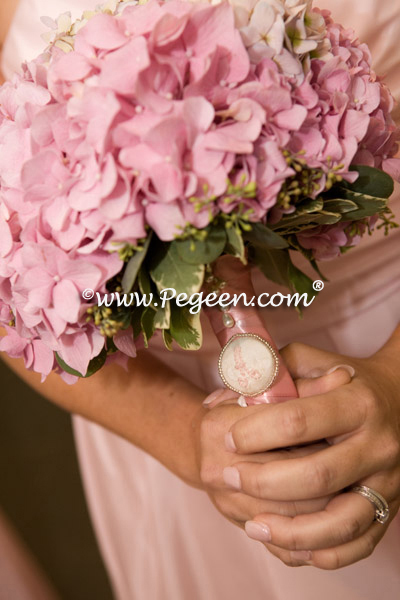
(162,540)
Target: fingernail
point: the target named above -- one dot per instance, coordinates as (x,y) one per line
(347,368)
(242,401)
(232,477)
(213,396)
(301,555)
(229,442)
(258,531)
(315,373)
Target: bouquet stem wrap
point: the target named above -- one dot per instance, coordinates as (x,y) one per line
(247,367)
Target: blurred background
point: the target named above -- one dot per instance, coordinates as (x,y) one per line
(41,492)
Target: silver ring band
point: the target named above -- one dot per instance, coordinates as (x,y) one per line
(378,501)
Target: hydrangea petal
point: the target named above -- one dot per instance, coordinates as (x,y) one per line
(104,32)
(135,58)
(6,241)
(67,301)
(71,67)
(167,220)
(76,351)
(125,343)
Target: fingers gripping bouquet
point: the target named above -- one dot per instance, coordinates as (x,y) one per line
(174,145)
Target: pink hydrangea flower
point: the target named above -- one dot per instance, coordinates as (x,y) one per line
(142,120)
(326,241)
(36,354)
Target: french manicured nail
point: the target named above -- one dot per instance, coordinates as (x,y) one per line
(347,368)
(258,531)
(242,401)
(301,555)
(229,442)
(213,396)
(232,477)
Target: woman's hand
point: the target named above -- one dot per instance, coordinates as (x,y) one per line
(361,421)
(213,456)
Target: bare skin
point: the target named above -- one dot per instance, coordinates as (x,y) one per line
(361,421)
(7,10)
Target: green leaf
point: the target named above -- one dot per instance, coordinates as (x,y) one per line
(185,328)
(147,324)
(338,205)
(291,224)
(371,182)
(274,264)
(308,254)
(168,270)
(300,282)
(309,205)
(144,282)
(264,237)
(277,266)
(235,245)
(309,213)
(318,271)
(202,252)
(94,365)
(367,206)
(167,338)
(162,317)
(136,320)
(111,347)
(147,287)
(133,266)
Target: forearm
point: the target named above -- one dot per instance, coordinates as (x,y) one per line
(149,405)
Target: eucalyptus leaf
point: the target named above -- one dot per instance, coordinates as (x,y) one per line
(235,245)
(94,365)
(317,269)
(371,182)
(308,254)
(168,270)
(202,252)
(274,264)
(264,237)
(300,282)
(133,266)
(185,328)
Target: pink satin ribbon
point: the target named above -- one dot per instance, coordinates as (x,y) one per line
(247,320)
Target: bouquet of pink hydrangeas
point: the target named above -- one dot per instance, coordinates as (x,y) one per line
(151,138)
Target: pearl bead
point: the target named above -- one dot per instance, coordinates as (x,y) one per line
(228,320)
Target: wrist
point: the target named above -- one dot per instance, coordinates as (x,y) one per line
(189,460)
